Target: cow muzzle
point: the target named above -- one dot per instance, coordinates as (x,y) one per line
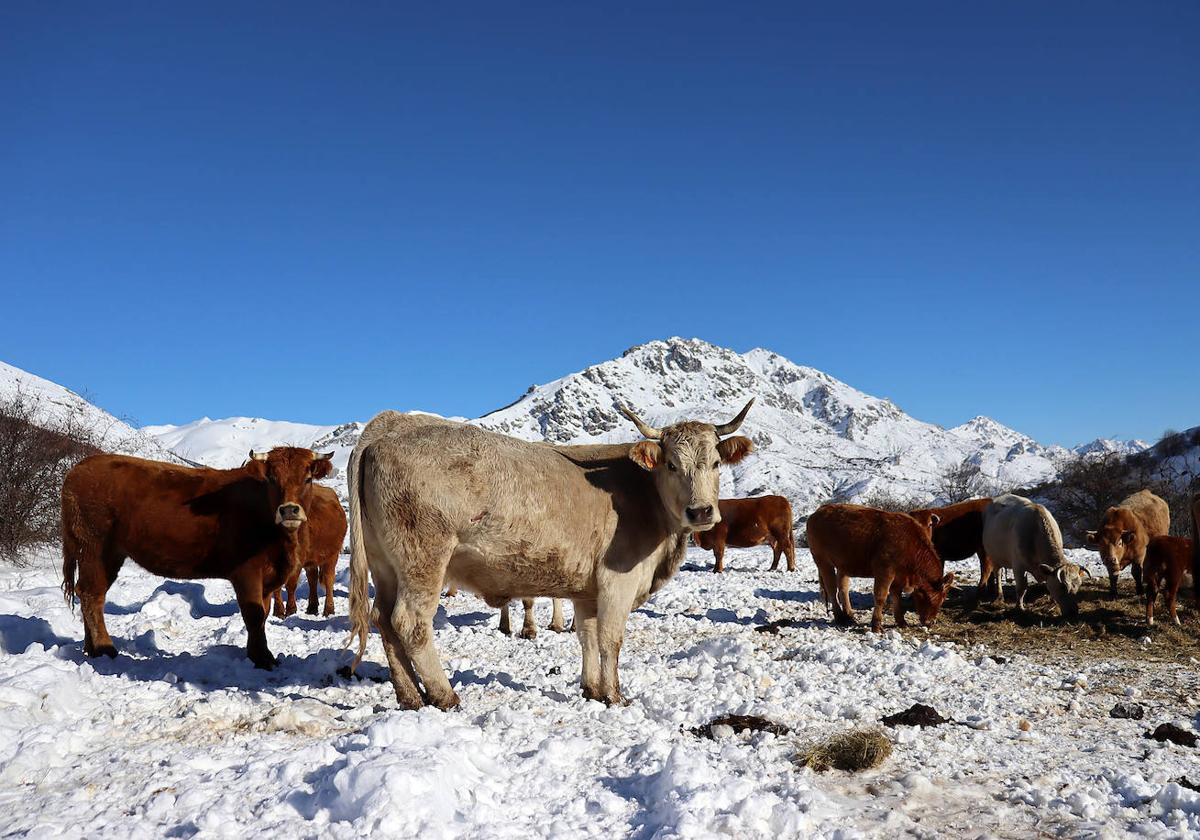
(290,515)
(702,518)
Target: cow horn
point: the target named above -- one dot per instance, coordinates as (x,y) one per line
(258,456)
(647,431)
(324,456)
(732,426)
(1084,569)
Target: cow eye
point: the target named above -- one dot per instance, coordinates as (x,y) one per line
(671,466)
(716,465)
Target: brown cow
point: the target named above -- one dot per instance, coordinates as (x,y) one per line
(745,523)
(894,548)
(958,533)
(321,547)
(242,525)
(1196,546)
(1167,562)
(1126,531)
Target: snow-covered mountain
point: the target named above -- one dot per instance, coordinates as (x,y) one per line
(817,437)
(52,405)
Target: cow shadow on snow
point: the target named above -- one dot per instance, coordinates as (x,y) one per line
(18,632)
(193,593)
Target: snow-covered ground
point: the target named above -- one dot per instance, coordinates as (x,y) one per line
(180,736)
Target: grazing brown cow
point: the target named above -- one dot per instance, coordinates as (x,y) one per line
(1196,546)
(242,525)
(1125,532)
(958,534)
(745,523)
(893,548)
(326,533)
(1167,564)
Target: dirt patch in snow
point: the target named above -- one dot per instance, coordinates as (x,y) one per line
(1106,628)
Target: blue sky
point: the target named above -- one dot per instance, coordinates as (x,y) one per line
(317,211)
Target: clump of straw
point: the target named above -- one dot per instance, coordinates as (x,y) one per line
(858,749)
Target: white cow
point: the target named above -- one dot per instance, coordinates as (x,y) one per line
(1021,535)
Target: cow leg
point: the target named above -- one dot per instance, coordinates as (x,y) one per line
(719,554)
(328,571)
(985,578)
(883,585)
(505,620)
(1112,584)
(1022,583)
(452,591)
(557,624)
(778,550)
(528,627)
(587,630)
(1136,570)
(611,618)
(790,549)
(1173,583)
(1151,597)
(843,594)
(97,573)
(400,669)
(248,587)
(277,603)
(312,574)
(898,607)
(413,621)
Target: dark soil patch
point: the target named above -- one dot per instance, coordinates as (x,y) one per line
(739,724)
(1174,734)
(918,714)
(774,627)
(1184,781)
(1128,711)
(1105,629)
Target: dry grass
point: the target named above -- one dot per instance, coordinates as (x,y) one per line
(1105,628)
(858,749)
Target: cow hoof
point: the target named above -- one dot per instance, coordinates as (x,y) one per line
(876,628)
(528,634)
(558,629)
(446,703)
(264,663)
(843,620)
(311,610)
(104,650)
(328,612)
(290,611)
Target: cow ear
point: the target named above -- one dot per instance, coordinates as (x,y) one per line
(934,519)
(734,449)
(1090,538)
(646,454)
(321,468)
(1127,537)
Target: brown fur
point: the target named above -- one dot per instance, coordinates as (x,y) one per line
(959,533)
(321,546)
(745,523)
(1125,533)
(893,548)
(1167,563)
(182,522)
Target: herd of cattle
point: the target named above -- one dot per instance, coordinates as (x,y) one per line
(435,502)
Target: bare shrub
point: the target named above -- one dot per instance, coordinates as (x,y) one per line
(962,482)
(35,454)
(883,499)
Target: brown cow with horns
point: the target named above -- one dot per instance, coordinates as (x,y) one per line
(242,525)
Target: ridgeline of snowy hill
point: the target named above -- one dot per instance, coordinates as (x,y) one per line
(817,436)
(52,405)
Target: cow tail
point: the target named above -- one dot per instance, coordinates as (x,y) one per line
(71,521)
(360,619)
